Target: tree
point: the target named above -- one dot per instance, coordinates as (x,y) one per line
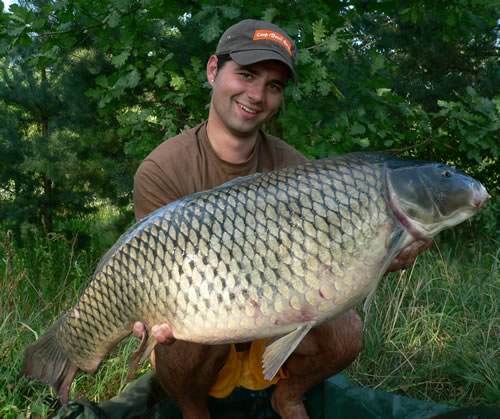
(419,81)
(54,151)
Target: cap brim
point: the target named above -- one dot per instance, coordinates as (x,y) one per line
(249,57)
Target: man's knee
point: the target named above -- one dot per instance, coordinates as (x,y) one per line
(331,347)
(344,333)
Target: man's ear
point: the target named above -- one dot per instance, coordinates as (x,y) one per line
(212,68)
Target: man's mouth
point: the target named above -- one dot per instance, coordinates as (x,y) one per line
(247,109)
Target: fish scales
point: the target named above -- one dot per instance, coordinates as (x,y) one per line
(265,255)
(298,225)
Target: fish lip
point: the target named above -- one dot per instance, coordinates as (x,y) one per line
(480,198)
(481,203)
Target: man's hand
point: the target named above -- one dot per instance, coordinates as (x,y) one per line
(407,256)
(161,332)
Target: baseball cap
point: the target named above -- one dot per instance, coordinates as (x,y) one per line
(251,41)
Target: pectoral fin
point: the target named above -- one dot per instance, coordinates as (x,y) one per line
(278,352)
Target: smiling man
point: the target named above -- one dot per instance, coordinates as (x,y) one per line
(248,76)
(252,65)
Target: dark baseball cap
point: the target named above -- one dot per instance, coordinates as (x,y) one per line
(251,41)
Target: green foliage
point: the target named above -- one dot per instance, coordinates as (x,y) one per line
(121,75)
(469,129)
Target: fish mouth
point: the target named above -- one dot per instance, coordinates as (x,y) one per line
(480,198)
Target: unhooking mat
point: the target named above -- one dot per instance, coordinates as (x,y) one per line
(335,398)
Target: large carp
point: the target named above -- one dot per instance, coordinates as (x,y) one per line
(271,254)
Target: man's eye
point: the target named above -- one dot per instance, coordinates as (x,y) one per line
(246,76)
(276,88)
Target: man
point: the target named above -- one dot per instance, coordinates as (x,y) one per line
(248,74)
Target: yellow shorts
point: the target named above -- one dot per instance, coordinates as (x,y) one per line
(244,369)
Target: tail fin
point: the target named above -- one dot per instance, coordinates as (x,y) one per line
(47,361)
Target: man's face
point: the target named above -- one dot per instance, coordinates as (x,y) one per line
(244,97)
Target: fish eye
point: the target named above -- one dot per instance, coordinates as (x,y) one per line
(446,173)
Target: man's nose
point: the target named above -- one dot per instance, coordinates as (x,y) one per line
(256,91)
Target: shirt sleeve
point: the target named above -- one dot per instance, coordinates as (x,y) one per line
(152,189)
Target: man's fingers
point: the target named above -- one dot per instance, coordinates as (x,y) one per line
(138,329)
(162,333)
(420,246)
(407,256)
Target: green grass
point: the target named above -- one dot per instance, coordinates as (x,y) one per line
(432,331)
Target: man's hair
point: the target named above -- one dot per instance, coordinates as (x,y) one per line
(222,59)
